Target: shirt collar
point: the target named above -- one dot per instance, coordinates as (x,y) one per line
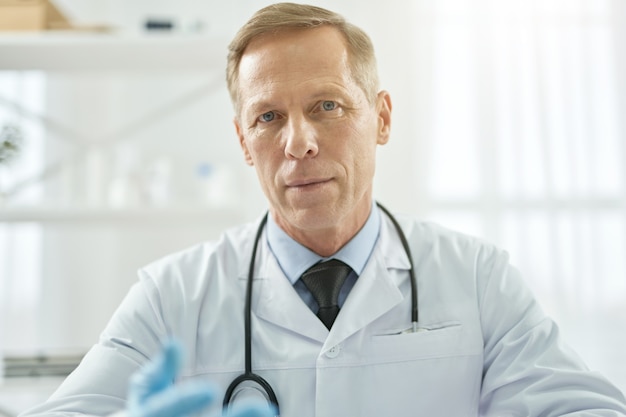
(294,258)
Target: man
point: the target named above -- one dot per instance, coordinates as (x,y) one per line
(309,117)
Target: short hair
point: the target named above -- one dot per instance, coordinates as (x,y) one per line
(283,16)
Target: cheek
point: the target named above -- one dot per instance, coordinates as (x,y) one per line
(257,147)
(265,158)
(361,147)
(360,140)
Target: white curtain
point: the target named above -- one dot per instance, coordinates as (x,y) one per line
(519,136)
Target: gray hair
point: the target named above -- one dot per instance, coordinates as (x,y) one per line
(282,16)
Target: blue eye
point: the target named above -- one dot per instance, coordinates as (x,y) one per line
(267,117)
(329,105)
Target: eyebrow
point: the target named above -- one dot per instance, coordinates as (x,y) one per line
(258,106)
(326,92)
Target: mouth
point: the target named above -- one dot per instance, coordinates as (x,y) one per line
(307,183)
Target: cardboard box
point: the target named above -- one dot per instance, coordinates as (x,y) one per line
(31,15)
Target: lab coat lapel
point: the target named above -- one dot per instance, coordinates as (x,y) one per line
(376,290)
(275,300)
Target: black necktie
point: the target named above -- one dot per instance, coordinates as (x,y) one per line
(325,280)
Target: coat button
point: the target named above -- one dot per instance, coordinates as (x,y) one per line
(333,352)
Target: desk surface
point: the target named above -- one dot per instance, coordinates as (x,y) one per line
(19,394)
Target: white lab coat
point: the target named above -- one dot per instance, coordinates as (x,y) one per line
(486,348)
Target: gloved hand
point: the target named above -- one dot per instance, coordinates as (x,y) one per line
(152,392)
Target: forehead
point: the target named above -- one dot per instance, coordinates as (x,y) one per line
(297,42)
(294,57)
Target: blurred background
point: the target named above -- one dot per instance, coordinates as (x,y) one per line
(509,124)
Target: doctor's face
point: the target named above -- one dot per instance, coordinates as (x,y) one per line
(309,130)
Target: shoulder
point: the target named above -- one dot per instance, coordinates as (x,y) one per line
(203,261)
(454,257)
(434,238)
(197,282)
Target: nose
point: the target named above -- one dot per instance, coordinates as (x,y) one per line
(301,139)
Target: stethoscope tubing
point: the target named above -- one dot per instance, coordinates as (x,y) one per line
(407,249)
(248,375)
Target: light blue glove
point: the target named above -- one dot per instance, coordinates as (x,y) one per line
(152,392)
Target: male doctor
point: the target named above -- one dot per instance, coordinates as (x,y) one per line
(309,117)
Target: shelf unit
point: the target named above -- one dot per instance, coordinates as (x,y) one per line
(161,215)
(80,51)
(82,251)
(74,51)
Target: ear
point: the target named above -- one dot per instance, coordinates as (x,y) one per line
(383,107)
(242,142)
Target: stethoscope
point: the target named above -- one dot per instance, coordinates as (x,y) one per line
(250,377)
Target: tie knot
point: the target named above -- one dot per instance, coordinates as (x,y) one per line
(325,280)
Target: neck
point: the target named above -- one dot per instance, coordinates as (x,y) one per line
(328,240)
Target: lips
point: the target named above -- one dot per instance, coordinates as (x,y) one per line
(304,182)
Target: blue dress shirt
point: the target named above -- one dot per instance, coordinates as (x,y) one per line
(294,258)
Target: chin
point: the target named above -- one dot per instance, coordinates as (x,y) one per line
(319,216)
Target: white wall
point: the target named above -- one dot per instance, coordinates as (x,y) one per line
(89,264)
(77,279)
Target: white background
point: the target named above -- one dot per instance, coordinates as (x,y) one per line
(509,124)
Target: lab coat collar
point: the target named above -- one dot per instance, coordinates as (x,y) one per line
(375,292)
(273,297)
(275,300)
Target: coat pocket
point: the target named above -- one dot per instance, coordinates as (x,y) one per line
(435,340)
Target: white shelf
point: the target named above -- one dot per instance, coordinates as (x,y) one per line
(162,215)
(80,51)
